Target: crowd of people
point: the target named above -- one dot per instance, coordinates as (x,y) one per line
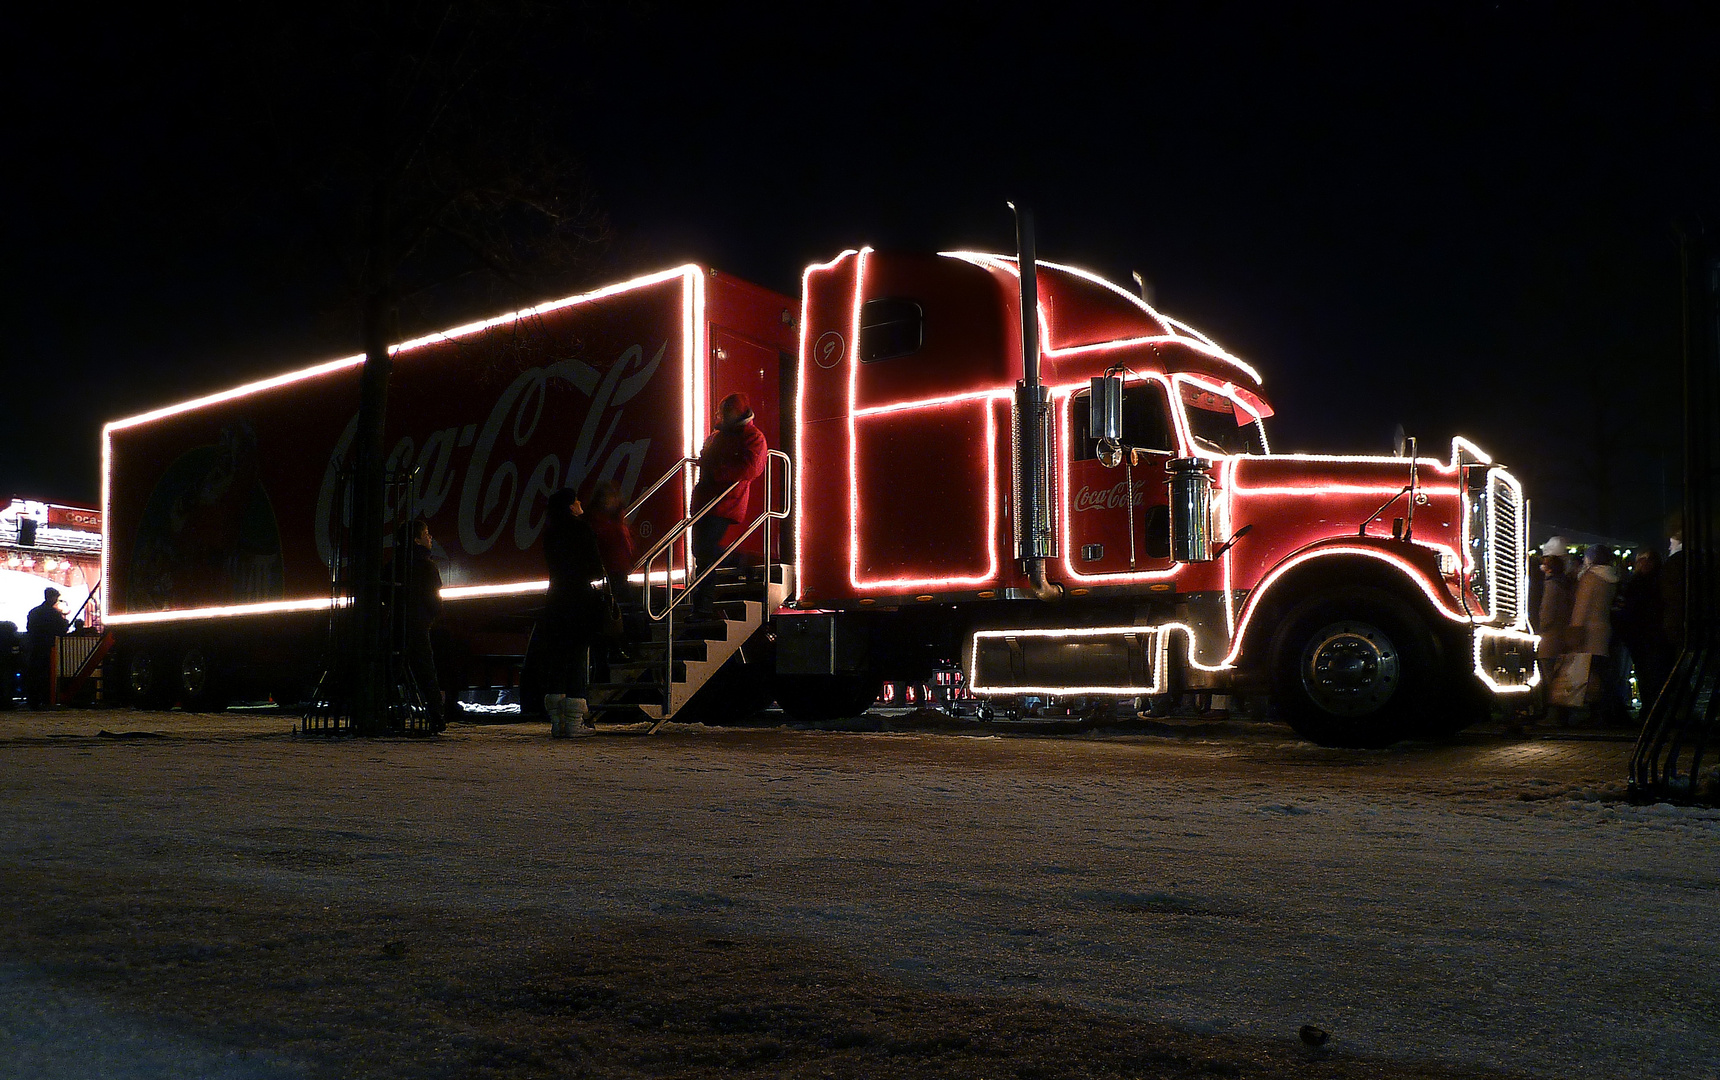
(28,657)
(589,553)
(1601,623)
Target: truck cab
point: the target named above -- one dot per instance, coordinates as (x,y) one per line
(1373,597)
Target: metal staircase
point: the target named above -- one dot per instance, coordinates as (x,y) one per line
(692,651)
(683,652)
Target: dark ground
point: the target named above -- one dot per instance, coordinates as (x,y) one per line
(284,909)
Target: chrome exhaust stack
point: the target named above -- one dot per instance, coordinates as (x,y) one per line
(1035,537)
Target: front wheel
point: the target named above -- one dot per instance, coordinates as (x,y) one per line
(1354,668)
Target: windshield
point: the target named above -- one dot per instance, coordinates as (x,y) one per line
(1218,426)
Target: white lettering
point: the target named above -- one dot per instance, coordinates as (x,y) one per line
(491,496)
(1107,498)
(631,455)
(470,516)
(434,481)
(542,482)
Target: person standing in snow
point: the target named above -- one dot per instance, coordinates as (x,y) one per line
(1641,626)
(45,624)
(1591,621)
(421,607)
(572,610)
(734,454)
(1672,588)
(1553,614)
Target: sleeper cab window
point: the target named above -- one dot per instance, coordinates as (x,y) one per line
(891,327)
(1146,421)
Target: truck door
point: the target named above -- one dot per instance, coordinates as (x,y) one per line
(1096,500)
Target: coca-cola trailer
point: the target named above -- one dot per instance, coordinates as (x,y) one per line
(1071,511)
(225,511)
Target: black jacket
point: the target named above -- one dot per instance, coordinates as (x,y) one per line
(44,624)
(571,556)
(423,599)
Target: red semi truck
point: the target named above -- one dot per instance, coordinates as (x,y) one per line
(1078,509)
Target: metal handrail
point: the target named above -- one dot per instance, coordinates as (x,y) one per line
(682,526)
(681,529)
(669,474)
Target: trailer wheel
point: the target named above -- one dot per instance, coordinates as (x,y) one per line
(1354,668)
(200,685)
(815,698)
(146,682)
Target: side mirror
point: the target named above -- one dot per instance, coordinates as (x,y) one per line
(1105,420)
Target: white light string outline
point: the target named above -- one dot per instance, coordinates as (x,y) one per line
(693,324)
(855,579)
(1163,632)
(1482,634)
(800,385)
(1199,342)
(1154,632)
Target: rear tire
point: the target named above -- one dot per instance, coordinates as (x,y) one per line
(1356,668)
(816,698)
(201,686)
(146,683)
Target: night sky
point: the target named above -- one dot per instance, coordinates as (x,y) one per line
(1463,218)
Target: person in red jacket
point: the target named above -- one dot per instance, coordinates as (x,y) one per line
(614,538)
(734,454)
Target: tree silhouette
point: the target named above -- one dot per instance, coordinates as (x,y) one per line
(429,152)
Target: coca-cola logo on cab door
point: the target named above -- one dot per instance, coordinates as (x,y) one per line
(1111,498)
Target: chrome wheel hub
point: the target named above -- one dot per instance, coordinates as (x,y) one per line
(1350,668)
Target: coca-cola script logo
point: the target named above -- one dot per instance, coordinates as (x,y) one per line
(492,494)
(1110,498)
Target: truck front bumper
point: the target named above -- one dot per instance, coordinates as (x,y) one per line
(1505,660)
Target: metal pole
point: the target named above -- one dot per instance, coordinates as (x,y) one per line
(1129,474)
(1675,754)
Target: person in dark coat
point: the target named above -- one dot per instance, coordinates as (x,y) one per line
(11,664)
(42,627)
(572,613)
(421,607)
(1640,624)
(1672,590)
(734,453)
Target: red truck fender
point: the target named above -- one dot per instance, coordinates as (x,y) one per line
(1392,563)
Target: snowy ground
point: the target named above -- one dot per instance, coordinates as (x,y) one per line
(1490,903)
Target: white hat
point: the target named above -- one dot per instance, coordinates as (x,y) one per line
(1555,545)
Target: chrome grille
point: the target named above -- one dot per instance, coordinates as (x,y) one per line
(1505,543)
